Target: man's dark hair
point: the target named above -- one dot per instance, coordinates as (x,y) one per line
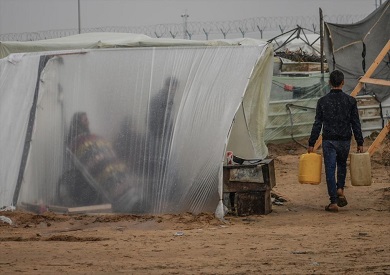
(336,78)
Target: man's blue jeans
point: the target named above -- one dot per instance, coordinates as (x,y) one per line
(335,156)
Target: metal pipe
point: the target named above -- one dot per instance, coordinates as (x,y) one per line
(322,42)
(78,9)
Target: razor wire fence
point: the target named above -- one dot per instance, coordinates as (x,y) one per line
(258,27)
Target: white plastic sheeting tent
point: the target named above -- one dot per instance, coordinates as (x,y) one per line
(199,89)
(101,40)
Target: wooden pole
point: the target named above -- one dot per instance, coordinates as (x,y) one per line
(375,145)
(322,42)
(372,68)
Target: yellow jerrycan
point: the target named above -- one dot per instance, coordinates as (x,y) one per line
(310,166)
(360,169)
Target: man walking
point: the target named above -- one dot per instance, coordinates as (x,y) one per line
(337,115)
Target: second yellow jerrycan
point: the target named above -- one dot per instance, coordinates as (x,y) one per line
(360,168)
(310,167)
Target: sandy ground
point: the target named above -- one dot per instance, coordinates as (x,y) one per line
(297,237)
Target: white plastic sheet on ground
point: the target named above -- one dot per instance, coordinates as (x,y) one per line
(176,170)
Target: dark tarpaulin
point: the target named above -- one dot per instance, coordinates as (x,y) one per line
(352,48)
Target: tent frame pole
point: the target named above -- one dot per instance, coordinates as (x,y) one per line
(322,42)
(27,141)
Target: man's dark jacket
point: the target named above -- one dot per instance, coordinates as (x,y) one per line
(337,114)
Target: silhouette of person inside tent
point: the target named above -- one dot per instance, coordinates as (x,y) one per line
(99,174)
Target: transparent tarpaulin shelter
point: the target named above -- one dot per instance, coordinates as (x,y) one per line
(292,105)
(144,129)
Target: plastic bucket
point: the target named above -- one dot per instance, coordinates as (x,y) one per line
(310,166)
(360,169)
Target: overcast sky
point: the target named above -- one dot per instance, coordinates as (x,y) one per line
(18,16)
